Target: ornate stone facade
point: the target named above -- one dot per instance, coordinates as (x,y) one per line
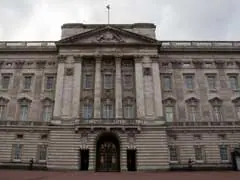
(114,98)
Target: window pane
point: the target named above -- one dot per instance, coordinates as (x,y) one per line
(211,82)
(23,112)
(223,152)
(108,81)
(27,82)
(50,82)
(233,82)
(128,111)
(17,149)
(127,81)
(167,83)
(87,82)
(169,113)
(2,112)
(107,111)
(198,153)
(42,152)
(189,82)
(47,113)
(5,82)
(87,111)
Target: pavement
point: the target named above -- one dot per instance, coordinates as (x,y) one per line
(50,175)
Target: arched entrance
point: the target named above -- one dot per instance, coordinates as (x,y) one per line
(107,153)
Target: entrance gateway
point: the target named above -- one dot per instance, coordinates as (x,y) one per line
(108,153)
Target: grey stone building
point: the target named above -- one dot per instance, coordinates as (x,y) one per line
(114,98)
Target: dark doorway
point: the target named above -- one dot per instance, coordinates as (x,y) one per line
(107,153)
(84,159)
(131,160)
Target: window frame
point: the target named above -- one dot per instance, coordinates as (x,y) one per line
(39,152)
(2,80)
(14,148)
(186,82)
(53,82)
(202,153)
(226,151)
(173,159)
(85,81)
(108,103)
(214,77)
(169,77)
(108,83)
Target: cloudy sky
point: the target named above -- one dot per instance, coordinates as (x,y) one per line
(175,19)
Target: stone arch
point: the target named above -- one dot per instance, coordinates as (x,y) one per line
(107,152)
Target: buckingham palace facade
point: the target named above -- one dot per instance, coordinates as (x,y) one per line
(111,97)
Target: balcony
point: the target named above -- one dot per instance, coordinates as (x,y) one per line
(187,124)
(108,124)
(23,123)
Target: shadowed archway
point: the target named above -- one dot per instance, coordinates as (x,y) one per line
(107,153)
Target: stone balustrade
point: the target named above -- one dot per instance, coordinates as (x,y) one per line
(109,122)
(23,123)
(27,44)
(204,123)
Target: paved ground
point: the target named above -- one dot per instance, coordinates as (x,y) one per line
(39,175)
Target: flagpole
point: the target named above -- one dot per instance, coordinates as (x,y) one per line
(108,7)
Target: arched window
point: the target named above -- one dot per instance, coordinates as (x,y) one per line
(169,109)
(87,109)
(47,109)
(193,109)
(24,105)
(129,108)
(108,109)
(216,109)
(3,108)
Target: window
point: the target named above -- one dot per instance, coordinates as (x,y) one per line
(5,81)
(233,80)
(189,82)
(47,112)
(108,110)
(169,113)
(217,113)
(50,82)
(27,82)
(23,112)
(87,111)
(167,83)
(211,82)
(88,81)
(42,150)
(173,153)
(127,81)
(108,81)
(3,103)
(129,109)
(223,152)
(17,152)
(193,109)
(237,108)
(199,153)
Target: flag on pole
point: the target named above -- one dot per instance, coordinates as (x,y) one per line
(108,7)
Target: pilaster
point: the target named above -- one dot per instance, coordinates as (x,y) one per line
(118,88)
(97,89)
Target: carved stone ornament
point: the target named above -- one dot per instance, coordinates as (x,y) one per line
(69,71)
(84,137)
(108,37)
(131,139)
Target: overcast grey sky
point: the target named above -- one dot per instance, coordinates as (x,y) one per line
(175,19)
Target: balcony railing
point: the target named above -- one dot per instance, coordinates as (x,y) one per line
(27,44)
(204,123)
(23,123)
(109,122)
(200,44)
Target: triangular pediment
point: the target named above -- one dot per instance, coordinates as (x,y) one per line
(108,35)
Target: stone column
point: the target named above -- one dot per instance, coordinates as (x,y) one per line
(97,89)
(157,88)
(139,88)
(118,89)
(76,86)
(59,88)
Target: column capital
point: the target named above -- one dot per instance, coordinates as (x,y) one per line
(77,58)
(61,58)
(138,58)
(154,58)
(98,58)
(118,58)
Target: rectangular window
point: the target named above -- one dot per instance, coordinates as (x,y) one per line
(173,153)
(169,113)
(87,111)
(237,108)
(127,81)
(233,80)
(47,113)
(23,112)
(189,82)
(2,112)
(88,81)
(223,152)
(5,82)
(107,111)
(217,113)
(50,82)
(167,82)
(17,152)
(211,82)
(193,114)
(27,82)
(199,153)
(108,81)
(42,150)
(128,111)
